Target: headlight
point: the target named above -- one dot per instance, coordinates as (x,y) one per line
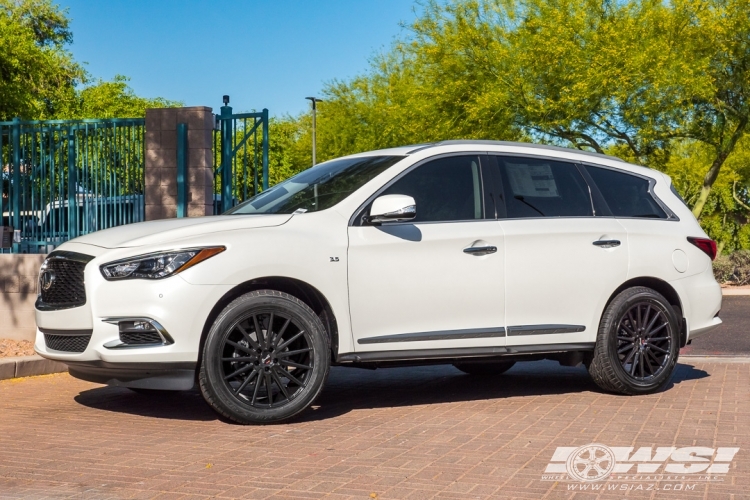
(157,265)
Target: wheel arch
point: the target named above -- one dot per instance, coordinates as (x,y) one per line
(300,289)
(664,289)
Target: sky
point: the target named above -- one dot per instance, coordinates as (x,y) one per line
(262,53)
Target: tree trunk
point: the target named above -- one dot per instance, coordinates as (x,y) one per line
(713,172)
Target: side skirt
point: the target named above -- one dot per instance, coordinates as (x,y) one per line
(459,353)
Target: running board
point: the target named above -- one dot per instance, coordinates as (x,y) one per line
(460,352)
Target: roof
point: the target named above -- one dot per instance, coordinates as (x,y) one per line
(478,142)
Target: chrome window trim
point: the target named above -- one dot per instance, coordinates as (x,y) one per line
(357,214)
(671,216)
(573,163)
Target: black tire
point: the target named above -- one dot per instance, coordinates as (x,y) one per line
(637,344)
(485,368)
(251,377)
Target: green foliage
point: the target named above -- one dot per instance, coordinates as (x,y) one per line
(727,209)
(37,74)
(113,99)
(39,79)
(733,269)
(663,84)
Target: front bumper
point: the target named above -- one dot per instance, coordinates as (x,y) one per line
(160,376)
(180,307)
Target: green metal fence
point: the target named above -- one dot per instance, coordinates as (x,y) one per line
(241,156)
(65,178)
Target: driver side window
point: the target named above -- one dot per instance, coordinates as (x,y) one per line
(447,189)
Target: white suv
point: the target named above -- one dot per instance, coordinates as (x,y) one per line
(474,253)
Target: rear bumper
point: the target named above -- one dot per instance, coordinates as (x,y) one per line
(701,301)
(163,376)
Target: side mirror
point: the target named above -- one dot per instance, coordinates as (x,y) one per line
(392,208)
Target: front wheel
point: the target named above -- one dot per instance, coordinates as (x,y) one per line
(266,358)
(637,345)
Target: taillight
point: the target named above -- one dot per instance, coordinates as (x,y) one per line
(707,245)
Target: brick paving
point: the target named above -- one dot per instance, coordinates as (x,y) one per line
(413,433)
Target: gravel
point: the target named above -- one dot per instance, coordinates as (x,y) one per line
(10,348)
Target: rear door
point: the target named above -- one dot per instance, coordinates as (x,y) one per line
(562,261)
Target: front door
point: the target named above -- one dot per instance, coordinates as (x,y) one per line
(435,282)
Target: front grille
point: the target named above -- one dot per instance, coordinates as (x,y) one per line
(61,281)
(140,338)
(67,343)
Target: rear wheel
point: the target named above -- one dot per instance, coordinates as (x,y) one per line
(265,360)
(485,367)
(637,345)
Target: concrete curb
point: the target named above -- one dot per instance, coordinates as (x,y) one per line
(27,366)
(735,291)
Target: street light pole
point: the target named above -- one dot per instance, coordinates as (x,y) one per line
(313,101)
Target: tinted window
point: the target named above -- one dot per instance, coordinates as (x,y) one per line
(543,188)
(626,195)
(447,189)
(677,194)
(317,188)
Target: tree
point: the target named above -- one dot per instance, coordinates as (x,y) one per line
(37,74)
(636,77)
(39,79)
(719,115)
(113,99)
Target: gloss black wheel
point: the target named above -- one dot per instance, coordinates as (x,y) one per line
(638,343)
(266,358)
(643,341)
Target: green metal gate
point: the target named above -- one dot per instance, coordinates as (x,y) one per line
(241,156)
(65,178)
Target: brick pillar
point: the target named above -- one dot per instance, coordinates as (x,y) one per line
(161,161)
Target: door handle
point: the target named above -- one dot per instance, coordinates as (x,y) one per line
(480,250)
(607,243)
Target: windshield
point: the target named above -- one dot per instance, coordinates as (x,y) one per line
(317,188)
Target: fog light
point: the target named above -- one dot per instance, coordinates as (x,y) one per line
(136,326)
(138,332)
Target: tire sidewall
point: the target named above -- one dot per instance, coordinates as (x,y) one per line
(211,366)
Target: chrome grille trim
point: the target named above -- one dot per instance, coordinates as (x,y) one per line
(61,281)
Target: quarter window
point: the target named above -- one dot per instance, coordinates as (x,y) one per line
(447,189)
(626,194)
(543,188)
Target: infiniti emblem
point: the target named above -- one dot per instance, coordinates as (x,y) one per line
(47,279)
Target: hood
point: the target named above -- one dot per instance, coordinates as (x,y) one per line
(154,232)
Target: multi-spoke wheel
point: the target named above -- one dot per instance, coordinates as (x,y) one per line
(638,343)
(265,360)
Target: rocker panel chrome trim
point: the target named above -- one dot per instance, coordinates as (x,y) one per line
(514,331)
(473,333)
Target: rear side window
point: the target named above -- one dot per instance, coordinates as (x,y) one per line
(447,189)
(543,188)
(627,195)
(677,194)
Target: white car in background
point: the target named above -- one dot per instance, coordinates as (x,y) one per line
(473,253)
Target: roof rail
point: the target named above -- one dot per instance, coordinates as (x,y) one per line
(480,142)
